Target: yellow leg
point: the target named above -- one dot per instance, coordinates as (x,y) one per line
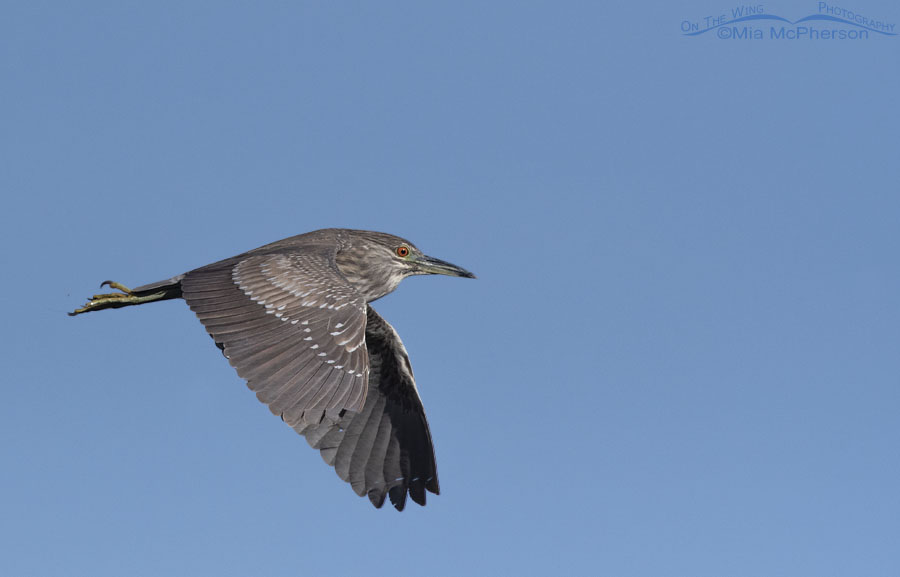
(115,300)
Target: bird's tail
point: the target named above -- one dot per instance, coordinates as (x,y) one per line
(126,297)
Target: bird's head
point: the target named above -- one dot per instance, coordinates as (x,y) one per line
(376,262)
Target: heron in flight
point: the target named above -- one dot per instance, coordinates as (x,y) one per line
(294,319)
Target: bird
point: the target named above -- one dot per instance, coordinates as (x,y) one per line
(294,318)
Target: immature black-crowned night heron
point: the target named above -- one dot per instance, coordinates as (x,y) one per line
(293,318)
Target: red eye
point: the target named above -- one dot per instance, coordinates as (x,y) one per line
(402,251)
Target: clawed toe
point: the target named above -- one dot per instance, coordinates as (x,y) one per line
(107,300)
(118,286)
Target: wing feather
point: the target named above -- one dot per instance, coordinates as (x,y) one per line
(326,362)
(273,316)
(385,449)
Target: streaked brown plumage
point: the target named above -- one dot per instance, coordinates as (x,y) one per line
(293,319)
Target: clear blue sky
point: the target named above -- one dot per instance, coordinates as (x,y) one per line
(680,357)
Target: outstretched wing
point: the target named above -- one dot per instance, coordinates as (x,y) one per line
(292,326)
(385,449)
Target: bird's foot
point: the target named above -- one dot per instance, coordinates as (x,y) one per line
(114,285)
(112,300)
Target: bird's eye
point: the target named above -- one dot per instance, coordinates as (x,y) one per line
(403,251)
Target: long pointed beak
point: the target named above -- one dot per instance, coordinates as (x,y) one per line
(430,265)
